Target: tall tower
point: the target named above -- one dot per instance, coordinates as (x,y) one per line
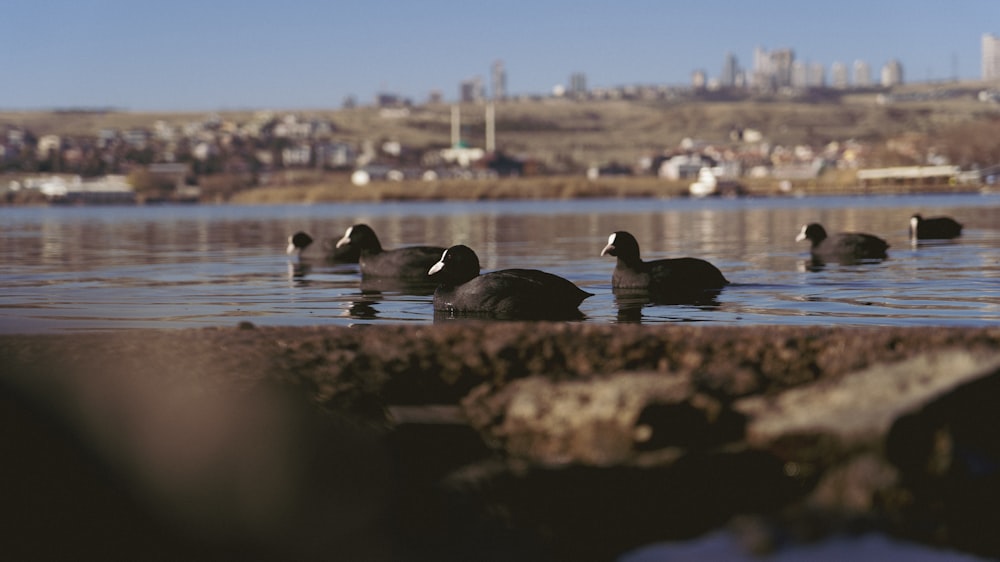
(499,76)
(862,74)
(838,75)
(578,85)
(772,69)
(892,73)
(730,69)
(991,57)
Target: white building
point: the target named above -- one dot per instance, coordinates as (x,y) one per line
(892,73)
(862,74)
(838,75)
(991,57)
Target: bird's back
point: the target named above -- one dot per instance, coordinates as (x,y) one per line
(520,293)
(410,262)
(669,274)
(852,244)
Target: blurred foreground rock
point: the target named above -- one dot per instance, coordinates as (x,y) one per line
(493,441)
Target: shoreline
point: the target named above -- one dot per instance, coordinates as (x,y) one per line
(338,189)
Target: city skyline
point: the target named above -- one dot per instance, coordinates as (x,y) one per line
(222,55)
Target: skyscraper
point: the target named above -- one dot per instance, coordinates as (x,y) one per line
(838,75)
(471,90)
(892,73)
(578,85)
(499,77)
(772,69)
(991,57)
(862,74)
(730,70)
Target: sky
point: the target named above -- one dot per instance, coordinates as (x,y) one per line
(213,55)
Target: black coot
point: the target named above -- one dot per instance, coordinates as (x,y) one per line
(676,280)
(842,247)
(934,228)
(402,263)
(298,242)
(508,293)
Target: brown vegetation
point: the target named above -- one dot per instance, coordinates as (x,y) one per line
(584,133)
(562,137)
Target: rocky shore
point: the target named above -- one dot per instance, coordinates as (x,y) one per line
(494,441)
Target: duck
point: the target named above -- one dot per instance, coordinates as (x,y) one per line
(670,279)
(934,228)
(842,247)
(507,293)
(297,243)
(411,262)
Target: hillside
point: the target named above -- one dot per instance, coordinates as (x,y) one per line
(556,131)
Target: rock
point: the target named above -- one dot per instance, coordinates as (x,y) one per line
(529,441)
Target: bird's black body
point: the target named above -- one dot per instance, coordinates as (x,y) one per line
(934,228)
(507,293)
(409,263)
(667,280)
(842,247)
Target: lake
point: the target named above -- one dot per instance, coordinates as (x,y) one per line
(105,268)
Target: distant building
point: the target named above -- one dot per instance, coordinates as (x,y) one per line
(577,85)
(862,74)
(892,73)
(991,57)
(772,70)
(800,75)
(471,90)
(816,75)
(499,76)
(699,79)
(388,99)
(838,76)
(730,72)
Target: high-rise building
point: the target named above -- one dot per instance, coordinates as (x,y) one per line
(800,75)
(772,69)
(699,79)
(577,84)
(471,90)
(991,57)
(816,75)
(499,77)
(730,71)
(862,74)
(892,73)
(838,76)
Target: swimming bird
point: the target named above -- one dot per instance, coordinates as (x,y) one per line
(842,247)
(301,240)
(298,242)
(673,280)
(506,293)
(934,228)
(411,262)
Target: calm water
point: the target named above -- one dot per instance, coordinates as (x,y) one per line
(101,268)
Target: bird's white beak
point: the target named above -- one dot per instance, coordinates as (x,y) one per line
(801,235)
(439,265)
(346,239)
(610,247)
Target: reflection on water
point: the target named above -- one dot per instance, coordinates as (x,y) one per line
(106,268)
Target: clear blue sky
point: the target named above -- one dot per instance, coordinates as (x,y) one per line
(298,54)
